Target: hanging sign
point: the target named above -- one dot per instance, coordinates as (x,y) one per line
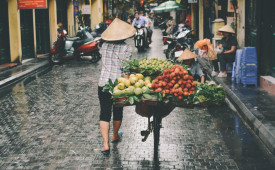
(76,8)
(141,2)
(192,1)
(31,4)
(86,9)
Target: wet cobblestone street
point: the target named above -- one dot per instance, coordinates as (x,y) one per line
(52,122)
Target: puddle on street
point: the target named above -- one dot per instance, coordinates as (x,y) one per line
(242,145)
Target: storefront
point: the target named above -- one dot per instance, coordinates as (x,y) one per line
(260,23)
(4,33)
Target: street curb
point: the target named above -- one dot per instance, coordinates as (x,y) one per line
(17,77)
(253,118)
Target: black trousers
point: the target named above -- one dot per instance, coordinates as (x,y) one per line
(106,106)
(223,58)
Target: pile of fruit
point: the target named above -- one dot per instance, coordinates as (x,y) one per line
(153,66)
(175,84)
(133,89)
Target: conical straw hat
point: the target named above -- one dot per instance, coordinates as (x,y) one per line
(186,55)
(227,28)
(118,30)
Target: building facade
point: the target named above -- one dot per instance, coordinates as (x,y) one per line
(26,33)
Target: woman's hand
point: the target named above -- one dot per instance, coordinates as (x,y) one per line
(233,49)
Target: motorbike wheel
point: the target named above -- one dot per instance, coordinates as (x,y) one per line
(140,49)
(55,58)
(96,56)
(171,55)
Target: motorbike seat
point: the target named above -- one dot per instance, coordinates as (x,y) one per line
(78,43)
(72,38)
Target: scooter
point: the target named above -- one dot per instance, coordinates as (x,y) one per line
(178,43)
(84,46)
(140,38)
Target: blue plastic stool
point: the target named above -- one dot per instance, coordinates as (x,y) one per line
(229,67)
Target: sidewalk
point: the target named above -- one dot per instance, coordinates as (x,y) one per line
(255,106)
(14,74)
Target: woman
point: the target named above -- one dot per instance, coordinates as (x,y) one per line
(189,59)
(114,51)
(170,25)
(229,44)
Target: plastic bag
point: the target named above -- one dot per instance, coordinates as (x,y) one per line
(206,49)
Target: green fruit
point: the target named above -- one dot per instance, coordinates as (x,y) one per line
(129,91)
(148,78)
(120,86)
(138,91)
(138,84)
(145,89)
(117,92)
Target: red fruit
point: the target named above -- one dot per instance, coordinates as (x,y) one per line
(166,80)
(172,75)
(167,91)
(170,84)
(173,81)
(185,93)
(159,77)
(179,97)
(188,86)
(182,85)
(191,78)
(176,86)
(189,81)
(184,82)
(192,89)
(178,77)
(180,92)
(193,84)
(160,84)
(164,83)
(153,85)
(176,90)
(185,90)
(175,94)
(158,89)
(185,71)
(185,77)
(180,82)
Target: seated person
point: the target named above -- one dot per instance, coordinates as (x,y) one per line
(229,44)
(189,60)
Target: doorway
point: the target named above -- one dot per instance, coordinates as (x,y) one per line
(4,33)
(42,31)
(27,40)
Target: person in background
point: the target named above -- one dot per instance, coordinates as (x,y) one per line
(188,58)
(141,20)
(59,28)
(229,45)
(129,21)
(114,52)
(170,25)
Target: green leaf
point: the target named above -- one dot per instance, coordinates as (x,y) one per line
(136,62)
(131,100)
(115,83)
(147,96)
(136,99)
(110,82)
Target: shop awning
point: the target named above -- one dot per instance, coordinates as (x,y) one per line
(167,7)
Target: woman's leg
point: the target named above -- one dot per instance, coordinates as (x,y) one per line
(215,65)
(105,115)
(226,58)
(117,119)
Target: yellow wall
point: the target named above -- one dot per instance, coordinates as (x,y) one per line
(70,15)
(15,32)
(241,23)
(201,36)
(96,12)
(52,21)
(193,18)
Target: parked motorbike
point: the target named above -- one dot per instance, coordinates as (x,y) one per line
(98,30)
(84,46)
(140,38)
(178,43)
